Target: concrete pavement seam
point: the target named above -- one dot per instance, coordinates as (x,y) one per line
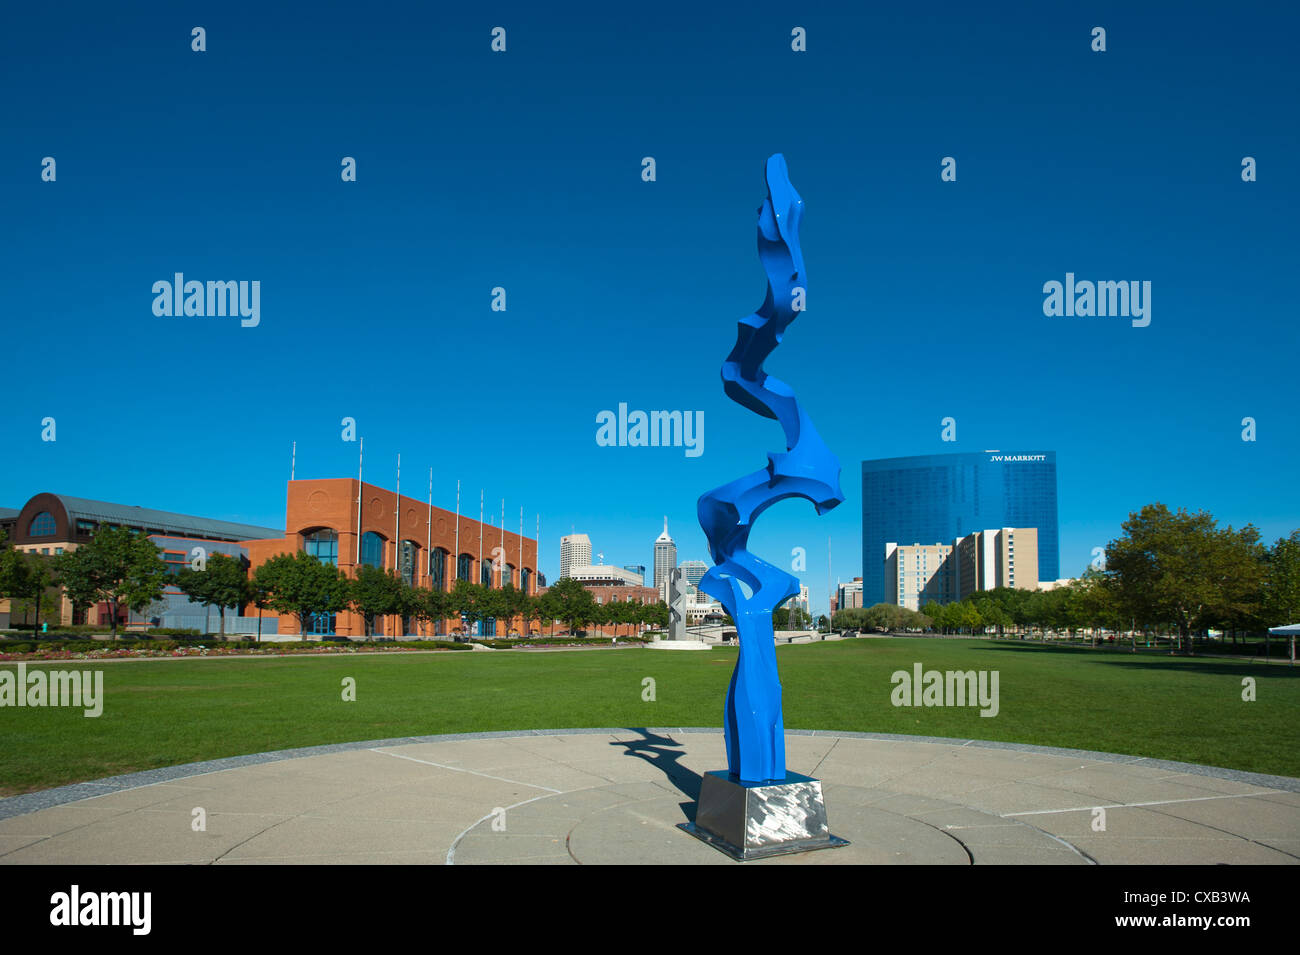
(75,792)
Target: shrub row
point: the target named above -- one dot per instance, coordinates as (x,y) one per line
(166,646)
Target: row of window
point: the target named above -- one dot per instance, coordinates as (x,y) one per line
(323,544)
(324,624)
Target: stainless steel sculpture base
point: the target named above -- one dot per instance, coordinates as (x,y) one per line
(757,820)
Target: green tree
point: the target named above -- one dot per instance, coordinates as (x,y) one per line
(28,579)
(432,605)
(376,592)
(934,610)
(302,585)
(260,597)
(1281,591)
(496,604)
(222,583)
(528,611)
(1090,603)
(467,601)
(10,582)
(656,615)
(790,616)
(118,566)
(1182,569)
(574,602)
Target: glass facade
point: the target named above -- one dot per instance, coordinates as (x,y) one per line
(523,579)
(323,545)
(462,566)
(934,499)
(438,569)
(406,562)
(372,549)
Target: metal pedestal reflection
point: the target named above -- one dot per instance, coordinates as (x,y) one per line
(757,820)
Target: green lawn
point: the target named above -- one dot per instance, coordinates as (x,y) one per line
(168,712)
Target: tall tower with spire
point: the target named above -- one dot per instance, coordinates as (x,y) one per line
(665,556)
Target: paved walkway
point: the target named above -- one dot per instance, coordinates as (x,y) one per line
(616,795)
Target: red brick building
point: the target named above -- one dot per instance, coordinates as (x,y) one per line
(347,523)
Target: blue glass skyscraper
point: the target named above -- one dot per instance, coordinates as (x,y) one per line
(935,498)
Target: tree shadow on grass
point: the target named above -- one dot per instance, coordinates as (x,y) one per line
(664,753)
(1159,660)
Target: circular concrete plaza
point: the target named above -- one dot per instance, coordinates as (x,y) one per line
(616,796)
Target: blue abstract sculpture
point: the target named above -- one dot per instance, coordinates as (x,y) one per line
(748,587)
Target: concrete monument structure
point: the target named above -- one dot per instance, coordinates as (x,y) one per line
(676,604)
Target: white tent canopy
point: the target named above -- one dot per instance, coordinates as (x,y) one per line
(1290,630)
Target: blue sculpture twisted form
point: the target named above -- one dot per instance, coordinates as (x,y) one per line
(750,588)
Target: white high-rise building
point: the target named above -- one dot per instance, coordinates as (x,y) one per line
(575,551)
(665,556)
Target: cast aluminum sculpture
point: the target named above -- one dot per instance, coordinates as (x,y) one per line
(757,801)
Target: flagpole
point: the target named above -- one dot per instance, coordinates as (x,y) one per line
(361,454)
(456,572)
(480,550)
(828,585)
(293,460)
(428,544)
(397,519)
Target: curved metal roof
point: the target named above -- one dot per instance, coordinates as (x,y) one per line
(183,525)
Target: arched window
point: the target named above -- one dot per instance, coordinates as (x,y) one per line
(323,544)
(485,573)
(42,525)
(406,561)
(523,579)
(438,569)
(507,574)
(372,549)
(463,563)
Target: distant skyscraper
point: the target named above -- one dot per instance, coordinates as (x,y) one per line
(849,595)
(575,551)
(638,569)
(915,574)
(694,571)
(665,555)
(937,498)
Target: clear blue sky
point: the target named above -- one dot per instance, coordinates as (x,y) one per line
(522,170)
